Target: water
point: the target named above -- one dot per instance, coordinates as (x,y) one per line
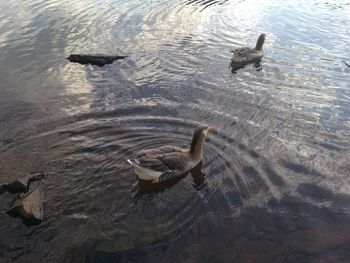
(274,184)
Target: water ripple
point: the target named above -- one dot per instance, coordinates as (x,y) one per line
(276,165)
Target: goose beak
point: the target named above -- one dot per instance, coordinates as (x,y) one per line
(210,128)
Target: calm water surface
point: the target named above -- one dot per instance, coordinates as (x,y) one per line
(274,184)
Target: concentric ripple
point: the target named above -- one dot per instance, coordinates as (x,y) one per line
(87,161)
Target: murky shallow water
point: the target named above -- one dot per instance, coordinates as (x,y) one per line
(274,182)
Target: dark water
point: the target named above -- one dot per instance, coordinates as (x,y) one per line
(274,185)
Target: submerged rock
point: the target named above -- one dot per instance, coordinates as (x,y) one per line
(99,60)
(22,184)
(30,207)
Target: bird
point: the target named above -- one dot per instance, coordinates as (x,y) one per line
(247,54)
(165,162)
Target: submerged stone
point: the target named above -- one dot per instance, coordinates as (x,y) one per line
(99,60)
(30,207)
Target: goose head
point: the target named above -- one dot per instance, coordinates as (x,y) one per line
(260,42)
(199,134)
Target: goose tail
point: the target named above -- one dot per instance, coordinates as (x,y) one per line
(130,162)
(144,173)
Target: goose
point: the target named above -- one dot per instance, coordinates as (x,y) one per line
(247,54)
(165,162)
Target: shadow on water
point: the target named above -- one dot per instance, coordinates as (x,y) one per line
(289,230)
(2,190)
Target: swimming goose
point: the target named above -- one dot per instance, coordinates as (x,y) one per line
(165,162)
(248,55)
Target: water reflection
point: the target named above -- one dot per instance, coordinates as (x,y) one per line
(274,181)
(288,239)
(205,3)
(238,65)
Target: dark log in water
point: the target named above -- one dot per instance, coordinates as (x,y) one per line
(99,60)
(22,184)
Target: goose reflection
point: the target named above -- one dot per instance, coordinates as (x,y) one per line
(238,65)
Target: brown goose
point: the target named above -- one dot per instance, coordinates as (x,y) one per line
(247,54)
(165,162)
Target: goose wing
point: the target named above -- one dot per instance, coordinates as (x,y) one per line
(246,55)
(169,164)
(241,51)
(159,151)
(240,55)
(177,161)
